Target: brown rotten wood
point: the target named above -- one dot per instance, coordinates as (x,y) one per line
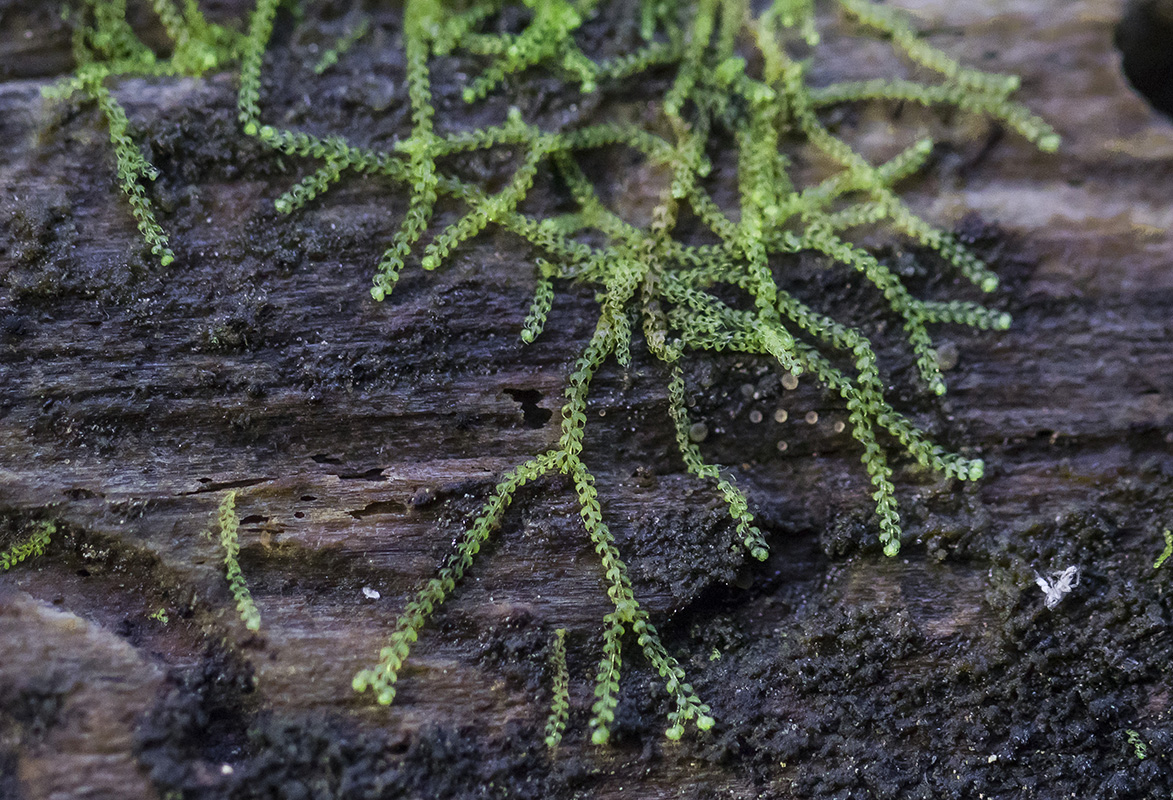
(360,437)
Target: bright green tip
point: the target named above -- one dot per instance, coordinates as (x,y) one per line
(359,682)
(892,548)
(377,293)
(989,283)
(469,95)
(704,722)
(167,259)
(1050,143)
(977,468)
(527,335)
(429,262)
(760,553)
(251,129)
(675,732)
(1002,322)
(282,205)
(600,736)
(730,69)
(938,387)
(385,696)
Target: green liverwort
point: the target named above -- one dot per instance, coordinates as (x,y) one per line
(652,275)
(732,84)
(106,49)
(33,545)
(229,526)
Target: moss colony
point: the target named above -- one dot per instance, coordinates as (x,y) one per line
(706,271)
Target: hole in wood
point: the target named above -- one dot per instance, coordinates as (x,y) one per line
(1144,37)
(532,415)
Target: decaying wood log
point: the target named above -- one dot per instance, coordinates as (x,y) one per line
(360,437)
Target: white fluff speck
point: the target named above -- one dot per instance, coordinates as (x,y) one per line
(1059,586)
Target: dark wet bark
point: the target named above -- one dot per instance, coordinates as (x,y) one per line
(362,437)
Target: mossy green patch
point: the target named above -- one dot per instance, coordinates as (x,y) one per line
(735,87)
(106,48)
(229,526)
(33,545)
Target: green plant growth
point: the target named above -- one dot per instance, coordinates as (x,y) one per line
(1140,748)
(33,545)
(560,705)
(229,526)
(105,47)
(1168,551)
(733,85)
(355,32)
